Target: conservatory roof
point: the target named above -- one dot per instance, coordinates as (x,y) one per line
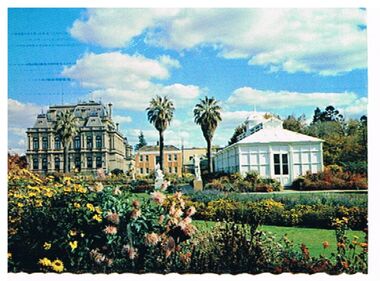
(268,135)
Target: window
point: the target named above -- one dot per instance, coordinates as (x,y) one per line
(157,160)
(44,143)
(35,163)
(141,158)
(44,164)
(175,170)
(147,170)
(141,170)
(77,163)
(57,143)
(170,170)
(98,162)
(175,157)
(35,143)
(89,162)
(169,157)
(98,142)
(57,163)
(146,158)
(281,166)
(77,142)
(89,142)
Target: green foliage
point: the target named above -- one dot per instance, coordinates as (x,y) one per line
(252,182)
(238,131)
(117,172)
(142,142)
(295,124)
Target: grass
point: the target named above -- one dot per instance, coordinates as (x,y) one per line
(311,237)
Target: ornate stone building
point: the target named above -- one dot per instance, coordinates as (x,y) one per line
(99,143)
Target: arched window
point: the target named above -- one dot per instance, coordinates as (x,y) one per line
(44,164)
(57,163)
(77,142)
(98,141)
(89,162)
(89,142)
(35,163)
(35,143)
(98,162)
(44,143)
(57,142)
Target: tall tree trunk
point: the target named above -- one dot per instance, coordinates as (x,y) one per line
(162,150)
(66,158)
(209,161)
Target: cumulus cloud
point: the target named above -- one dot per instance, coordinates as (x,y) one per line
(356,109)
(324,41)
(129,79)
(285,99)
(20,117)
(122,119)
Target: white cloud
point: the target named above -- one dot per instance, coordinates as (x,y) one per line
(356,109)
(285,99)
(122,119)
(128,80)
(20,117)
(324,41)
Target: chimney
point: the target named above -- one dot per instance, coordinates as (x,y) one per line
(117,126)
(110,109)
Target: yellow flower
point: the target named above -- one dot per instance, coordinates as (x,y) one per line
(67,189)
(90,207)
(32,194)
(76,205)
(97,218)
(44,262)
(49,193)
(82,234)
(57,265)
(98,210)
(9,255)
(38,203)
(73,245)
(72,233)
(20,205)
(47,246)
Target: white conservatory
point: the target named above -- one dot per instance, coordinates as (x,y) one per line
(272,151)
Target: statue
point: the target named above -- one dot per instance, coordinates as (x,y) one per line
(197,183)
(159,177)
(197,168)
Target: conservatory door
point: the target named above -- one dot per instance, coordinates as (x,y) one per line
(281,168)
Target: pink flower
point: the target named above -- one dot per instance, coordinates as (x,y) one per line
(113,217)
(191,211)
(100,173)
(135,213)
(161,219)
(165,185)
(178,213)
(189,229)
(130,251)
(158,197)
(172,209)
(112,230)
(136,203)
(151,238)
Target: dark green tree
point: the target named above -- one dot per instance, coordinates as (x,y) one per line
(66,128)
(295,124)
(207,115)
(142,142)
(160,114)
(238,131)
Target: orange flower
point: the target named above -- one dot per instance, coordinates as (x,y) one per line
(113,217)
(345,264)
(158,197)
(325,244)
(136,203)
(136,213)
(151,238)
(363,245)
(341,245)
(191,211)
(111,230)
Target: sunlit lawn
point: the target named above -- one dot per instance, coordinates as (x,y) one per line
(311,237)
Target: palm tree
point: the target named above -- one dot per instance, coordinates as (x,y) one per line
(66,128)
(160,113)
(207,115)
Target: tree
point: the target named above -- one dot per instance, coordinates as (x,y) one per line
(142,142)
(66,128)
(160,113)
(207,115)
(329,114)
(295,124)
(238,131)
(317,115)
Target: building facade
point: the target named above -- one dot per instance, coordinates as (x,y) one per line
(147,157)
(187,157)
(272,151)
(99,143)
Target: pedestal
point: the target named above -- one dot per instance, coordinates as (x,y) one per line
(198,185)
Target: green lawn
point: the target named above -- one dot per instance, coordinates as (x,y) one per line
(311,237)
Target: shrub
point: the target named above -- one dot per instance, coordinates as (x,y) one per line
(331,178)
(117,172)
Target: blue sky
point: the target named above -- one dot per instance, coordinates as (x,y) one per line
(278,60)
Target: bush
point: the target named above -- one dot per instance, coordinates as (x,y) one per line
(331,178)
(117,172)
